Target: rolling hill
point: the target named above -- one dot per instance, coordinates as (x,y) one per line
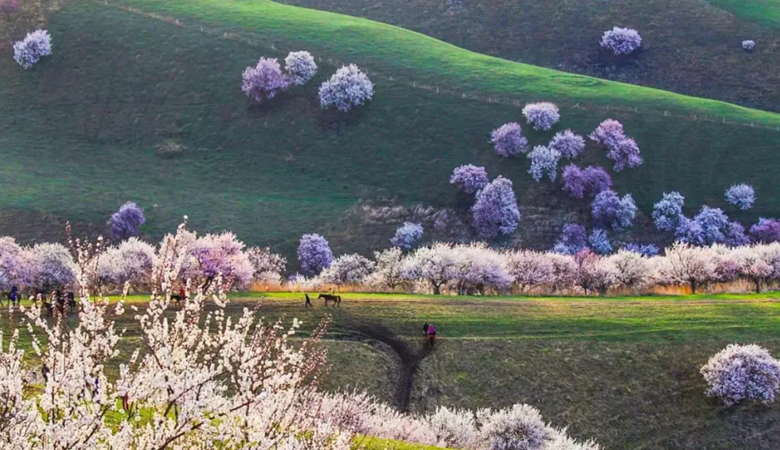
(135,108)
(689,46)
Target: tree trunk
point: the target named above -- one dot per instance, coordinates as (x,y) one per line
(436,288)
(693,286)
(757,281)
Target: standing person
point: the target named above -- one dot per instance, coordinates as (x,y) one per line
(425,328)
(431,334)
(14,296)
(308,301)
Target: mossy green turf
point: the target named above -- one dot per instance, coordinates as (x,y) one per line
(622,370)
(83,129)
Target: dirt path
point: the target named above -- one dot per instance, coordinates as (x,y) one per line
(409,358)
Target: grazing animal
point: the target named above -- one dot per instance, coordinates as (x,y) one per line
(336,299)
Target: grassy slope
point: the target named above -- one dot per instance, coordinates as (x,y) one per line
(86,124)
(624,371)
(689,46)
(763,11)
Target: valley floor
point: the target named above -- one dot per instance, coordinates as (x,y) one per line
(624,371)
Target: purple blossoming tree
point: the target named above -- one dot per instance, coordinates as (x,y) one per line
(741,195)
(542,116)
(407,235)
(573,239)
(580,183)
(347,88)
(568,144)
(126,221)
(495,211)
(609,133)
(469,178)
(734,235)
(543,160)
(668,212)
(625,154)
(314,254)
(713,222)
(16,268)
(766,230)
(610,211)
(599,242)
(508,140)
(621,41)
(264,81)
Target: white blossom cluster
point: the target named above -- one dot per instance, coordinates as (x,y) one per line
(742,372)
(621,41)
(520,427)
(544,160)
(300,67)
(347,88)
(748,44)
(29,51)
(542,116)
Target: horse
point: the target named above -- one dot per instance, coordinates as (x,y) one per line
(336,299)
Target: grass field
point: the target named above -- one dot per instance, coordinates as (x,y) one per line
(621,370)
(131,108)
(689,46)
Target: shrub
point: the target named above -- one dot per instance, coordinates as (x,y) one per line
(568,144)
(520,427)
(126,221)
(495,210)
(748,44)
(542,116)
(264,81)
(766,230)
(610,211)
(407,235)
(668,212)
(508,140)
(543,160)
(347,269)
(314,254)
(28,52)
(742,372)
(580,183)
(621,41)
(469,178)
(300,67)
(347,88)
(599,242)
(573,239)
(741,195)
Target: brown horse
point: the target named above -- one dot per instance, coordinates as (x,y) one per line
(336,299)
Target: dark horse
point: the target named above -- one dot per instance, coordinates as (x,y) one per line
(336,299)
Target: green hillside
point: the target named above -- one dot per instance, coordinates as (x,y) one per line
(689,46)
(131,107)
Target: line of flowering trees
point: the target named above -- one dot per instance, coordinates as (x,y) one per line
(476,268)
(48,266)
